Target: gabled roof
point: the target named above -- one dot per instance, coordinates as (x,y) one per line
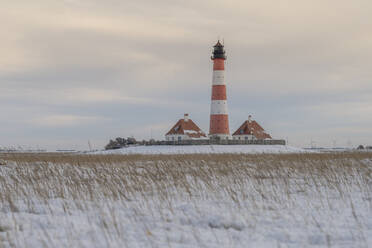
(251,127)
(187,127)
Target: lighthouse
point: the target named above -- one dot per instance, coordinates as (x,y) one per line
(219,118)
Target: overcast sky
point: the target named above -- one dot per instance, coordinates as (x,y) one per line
(79,70)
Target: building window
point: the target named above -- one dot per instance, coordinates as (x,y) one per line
(246,137)
(179,138)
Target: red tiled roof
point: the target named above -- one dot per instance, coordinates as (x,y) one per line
(188,128)
(253,128)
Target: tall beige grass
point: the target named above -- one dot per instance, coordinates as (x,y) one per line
(249,184)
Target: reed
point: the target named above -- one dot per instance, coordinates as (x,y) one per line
(115,192)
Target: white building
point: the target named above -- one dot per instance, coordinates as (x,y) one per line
(185,129)
(250,130)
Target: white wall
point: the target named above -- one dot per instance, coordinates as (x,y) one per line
(174,137)
(244,136)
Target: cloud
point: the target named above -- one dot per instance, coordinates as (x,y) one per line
(65,120)
(137,63)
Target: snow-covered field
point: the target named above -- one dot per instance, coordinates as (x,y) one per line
(224,200)
(204,149)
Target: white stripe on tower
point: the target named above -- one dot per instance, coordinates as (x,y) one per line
(218,77)
(219,107)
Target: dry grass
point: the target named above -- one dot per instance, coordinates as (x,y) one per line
(152,185)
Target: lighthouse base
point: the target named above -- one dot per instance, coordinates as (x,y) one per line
(220,136)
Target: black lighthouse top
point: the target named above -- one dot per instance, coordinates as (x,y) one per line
(218,51)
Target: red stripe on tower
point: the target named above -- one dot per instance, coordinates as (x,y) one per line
(219,92)
(219,120)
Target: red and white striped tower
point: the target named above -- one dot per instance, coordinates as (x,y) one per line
(219,122)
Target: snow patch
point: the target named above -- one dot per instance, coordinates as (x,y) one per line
(205,149)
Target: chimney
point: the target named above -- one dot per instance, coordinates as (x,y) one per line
(249,118)
(186,117)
